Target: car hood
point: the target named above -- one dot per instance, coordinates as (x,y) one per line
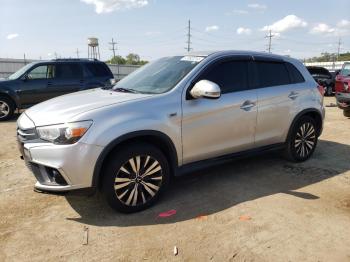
(62,109)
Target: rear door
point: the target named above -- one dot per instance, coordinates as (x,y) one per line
(33,88)
(68,78)
(278,97)
(215,127)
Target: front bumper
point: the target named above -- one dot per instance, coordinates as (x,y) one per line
(60,168)
(343,100)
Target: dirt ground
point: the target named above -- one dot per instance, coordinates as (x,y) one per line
(256,209)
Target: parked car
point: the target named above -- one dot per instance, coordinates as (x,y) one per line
(323,77)
(40,81)
(171,116)
(343,90)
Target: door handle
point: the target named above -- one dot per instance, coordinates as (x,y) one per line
(293,95)
(247,105)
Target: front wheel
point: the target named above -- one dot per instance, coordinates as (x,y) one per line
(302,140)
(7,108)
(134,178)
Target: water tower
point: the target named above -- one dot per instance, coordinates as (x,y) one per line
(93,48)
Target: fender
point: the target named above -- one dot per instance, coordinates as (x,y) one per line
(10,93)
(149,133)
(300,114)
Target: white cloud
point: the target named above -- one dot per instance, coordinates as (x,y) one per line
(244,31)
(285,24)
(341,29)
(239,12)
(322,28)
(257,6)
(12,36)
(344,24)
(211,28)
(107,6)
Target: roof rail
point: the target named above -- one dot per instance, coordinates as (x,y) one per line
(75,59)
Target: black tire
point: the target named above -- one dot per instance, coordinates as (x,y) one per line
(7,108)
(346,113)
(329,91)
(120,187)
(302,140)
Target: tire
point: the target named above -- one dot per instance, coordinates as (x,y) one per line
(302,140)
(346,113)
(7,108)
(329,91)
(123,184)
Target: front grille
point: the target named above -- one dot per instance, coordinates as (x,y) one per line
(26,135)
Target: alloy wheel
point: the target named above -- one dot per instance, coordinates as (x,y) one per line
(138,180)
(305,140)
(4,109)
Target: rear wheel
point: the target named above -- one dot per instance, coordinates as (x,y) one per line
(346,112)
(135,177)
(302,140)
(329,91)
(7,108)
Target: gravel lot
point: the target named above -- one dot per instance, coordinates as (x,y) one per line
(258,209)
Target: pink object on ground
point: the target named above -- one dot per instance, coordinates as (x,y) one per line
(167,213)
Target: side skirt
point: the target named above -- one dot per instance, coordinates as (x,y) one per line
(202,164)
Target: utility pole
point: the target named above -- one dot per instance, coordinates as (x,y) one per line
(77,52)
(339,46)
(55,55)
(114,47)
(188,48)
(24,59)
(269,36)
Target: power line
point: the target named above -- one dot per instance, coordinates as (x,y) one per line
(269,36)
(188,48)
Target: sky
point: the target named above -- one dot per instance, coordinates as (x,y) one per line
(156,28)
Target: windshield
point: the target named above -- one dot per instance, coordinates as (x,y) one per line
(159,76)
(20,72)
(345,70)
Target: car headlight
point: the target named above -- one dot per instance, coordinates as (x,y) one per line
(65,133)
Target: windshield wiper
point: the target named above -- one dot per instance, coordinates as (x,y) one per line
(125,90)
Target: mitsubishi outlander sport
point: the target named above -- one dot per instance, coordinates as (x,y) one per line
(168,117)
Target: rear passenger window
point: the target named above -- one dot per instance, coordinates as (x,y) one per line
(68,71)
(98,70)
(295,75)
(272,74)
(231,76)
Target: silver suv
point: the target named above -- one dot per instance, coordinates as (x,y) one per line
(170,116)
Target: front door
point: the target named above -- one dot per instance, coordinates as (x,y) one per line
(215,127)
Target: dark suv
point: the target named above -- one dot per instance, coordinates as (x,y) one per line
(40,81)
(323,77)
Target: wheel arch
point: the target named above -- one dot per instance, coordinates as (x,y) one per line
(313,113)
(12,97)
(156,138)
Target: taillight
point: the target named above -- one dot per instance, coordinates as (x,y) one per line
(321,90)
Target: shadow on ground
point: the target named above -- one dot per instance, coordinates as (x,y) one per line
(218,188)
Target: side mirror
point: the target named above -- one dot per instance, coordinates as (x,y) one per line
(205,89)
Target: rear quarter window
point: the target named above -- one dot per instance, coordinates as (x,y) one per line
(294,73)
(98,70)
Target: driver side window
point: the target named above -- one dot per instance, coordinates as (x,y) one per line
(41,72)
(231,76)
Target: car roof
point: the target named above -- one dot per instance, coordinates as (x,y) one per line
(68,60)
(233,52)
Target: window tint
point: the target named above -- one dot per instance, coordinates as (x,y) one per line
(272,74)
(231,76)
(38,72)
(68,71)
(97,69)
(295,75)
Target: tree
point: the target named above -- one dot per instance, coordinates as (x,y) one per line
(117,60)
(132,59)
